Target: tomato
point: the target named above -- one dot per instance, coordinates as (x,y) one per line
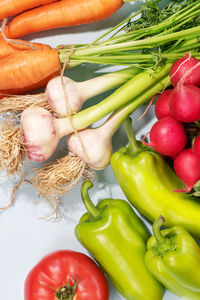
(65,273)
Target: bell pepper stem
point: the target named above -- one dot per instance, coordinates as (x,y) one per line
(131,136)
(156,230)
(164,244)
(91,208)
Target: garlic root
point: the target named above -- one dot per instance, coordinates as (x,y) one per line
(12,148)
(19,103)
(57,178)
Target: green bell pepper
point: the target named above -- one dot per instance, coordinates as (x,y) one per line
(173,257)
(116,237)
(148,183)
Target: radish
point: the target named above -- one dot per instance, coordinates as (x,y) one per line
(162,105)
(186,64)
(196,146)
(187,168)
(167,136)
(184,103)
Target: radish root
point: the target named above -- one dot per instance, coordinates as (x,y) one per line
(57,178)
(12,148)
(21,102)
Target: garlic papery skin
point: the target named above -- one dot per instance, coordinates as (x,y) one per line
(40,133)
(92,146)
(64,97)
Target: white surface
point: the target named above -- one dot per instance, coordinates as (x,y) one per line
(24,237)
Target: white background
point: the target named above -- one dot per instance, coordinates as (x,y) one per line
(24,237)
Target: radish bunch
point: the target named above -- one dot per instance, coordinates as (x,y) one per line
(174,109)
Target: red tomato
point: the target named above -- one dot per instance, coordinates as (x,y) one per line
(64,269)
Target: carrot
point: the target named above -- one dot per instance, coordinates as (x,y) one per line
(64,13)
(28,70)
(8,48)
(14,7)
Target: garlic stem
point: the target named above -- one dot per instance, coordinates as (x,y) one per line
(67,96)
(128,91)
(96,147)
(100,84)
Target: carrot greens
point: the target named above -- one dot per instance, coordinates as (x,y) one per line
(158,11)
(174,29)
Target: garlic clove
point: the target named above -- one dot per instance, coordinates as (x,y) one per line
(92,147)
(64,97)
(40,133)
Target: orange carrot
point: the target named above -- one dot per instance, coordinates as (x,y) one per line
(14,7)
(28,70)
(64,13)
(8,48)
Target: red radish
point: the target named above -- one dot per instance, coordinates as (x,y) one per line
(183,65)
(167,136)
(196,146)
(184,103)
(162,105)
(187,168)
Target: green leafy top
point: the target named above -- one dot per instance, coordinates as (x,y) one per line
(163,32)
(157,11)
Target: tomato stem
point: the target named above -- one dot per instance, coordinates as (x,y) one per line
(67,291)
